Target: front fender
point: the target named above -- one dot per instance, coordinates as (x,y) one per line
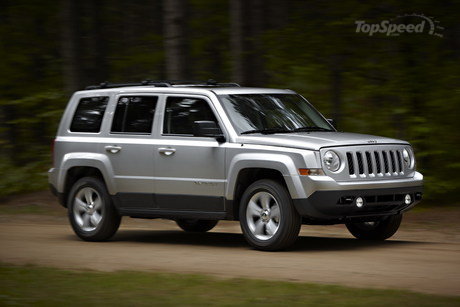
(82,159)
(282,163)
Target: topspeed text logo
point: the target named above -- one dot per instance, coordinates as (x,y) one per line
(395,26)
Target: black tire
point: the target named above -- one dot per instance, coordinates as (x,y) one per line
(108,223)
(192,225)
(379,230)
(289,221)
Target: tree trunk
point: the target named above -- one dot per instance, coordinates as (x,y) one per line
(174,33)
(98,68)
(336,91)
(255,61)
(236,40)
(70,46)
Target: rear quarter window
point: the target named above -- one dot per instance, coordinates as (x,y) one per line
(88,115)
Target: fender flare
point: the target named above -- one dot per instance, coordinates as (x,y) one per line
(85,159)
(279,162)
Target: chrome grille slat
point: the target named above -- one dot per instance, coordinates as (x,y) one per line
(386,167)
(382,164)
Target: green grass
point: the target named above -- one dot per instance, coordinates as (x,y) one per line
(53,287)
(26,209)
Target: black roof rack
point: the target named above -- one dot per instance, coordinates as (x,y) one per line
(164,83)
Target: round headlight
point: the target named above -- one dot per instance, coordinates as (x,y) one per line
(407,158)
(331,161)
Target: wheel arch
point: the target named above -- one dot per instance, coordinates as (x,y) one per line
(77,167)
(255,167)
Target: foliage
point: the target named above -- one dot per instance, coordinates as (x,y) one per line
(405,87)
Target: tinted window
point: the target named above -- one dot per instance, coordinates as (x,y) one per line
(134,114)
(182,112)
(89,113)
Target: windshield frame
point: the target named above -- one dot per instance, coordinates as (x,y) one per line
(242,133)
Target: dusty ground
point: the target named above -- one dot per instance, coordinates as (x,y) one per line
(423,256)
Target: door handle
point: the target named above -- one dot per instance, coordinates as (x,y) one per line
(166,151)
(112,148)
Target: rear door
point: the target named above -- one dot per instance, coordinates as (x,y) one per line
(129,147)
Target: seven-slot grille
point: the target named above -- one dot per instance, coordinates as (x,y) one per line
(371,163)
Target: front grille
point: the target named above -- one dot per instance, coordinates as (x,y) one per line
(372,163)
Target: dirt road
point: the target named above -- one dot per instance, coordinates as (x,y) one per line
(424,256)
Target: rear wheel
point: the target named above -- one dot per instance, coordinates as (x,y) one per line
(192,225)
(377,230)
(90,210)
(268,218)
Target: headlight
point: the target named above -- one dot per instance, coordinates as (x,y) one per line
(407,157)
(331,160)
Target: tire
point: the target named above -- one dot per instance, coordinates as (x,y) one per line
(191,225)
(91,212)
(268,218)
(378,230)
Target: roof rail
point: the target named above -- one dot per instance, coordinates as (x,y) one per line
(164,83)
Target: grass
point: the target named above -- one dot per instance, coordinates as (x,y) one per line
(34,209)
(53,287)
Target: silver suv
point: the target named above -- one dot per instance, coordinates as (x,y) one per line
(199,153)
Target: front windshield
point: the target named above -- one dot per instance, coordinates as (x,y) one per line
(271,113)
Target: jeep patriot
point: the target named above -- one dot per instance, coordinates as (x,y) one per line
(198,153)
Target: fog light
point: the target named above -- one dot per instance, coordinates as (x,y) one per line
(407,199)
(359,202)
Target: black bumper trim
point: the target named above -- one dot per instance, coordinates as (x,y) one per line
(329,205)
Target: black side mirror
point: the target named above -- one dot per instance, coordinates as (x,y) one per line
(206,128)
(332,122)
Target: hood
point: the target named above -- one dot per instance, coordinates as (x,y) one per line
(316,140)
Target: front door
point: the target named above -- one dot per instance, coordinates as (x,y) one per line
(189,171)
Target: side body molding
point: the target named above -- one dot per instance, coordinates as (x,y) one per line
(82,159)
(282,163)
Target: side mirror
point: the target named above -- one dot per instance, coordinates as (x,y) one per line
(206,128)
(332,122)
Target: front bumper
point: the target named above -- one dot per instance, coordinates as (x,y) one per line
(341,205)
(335,202)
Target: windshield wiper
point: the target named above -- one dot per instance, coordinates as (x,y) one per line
(312,128)
(283,130)
(267,131)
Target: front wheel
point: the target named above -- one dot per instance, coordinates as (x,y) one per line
(377,230)
(268,218)
(91,212)
(191,225)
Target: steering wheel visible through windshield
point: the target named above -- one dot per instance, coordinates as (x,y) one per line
(272,113)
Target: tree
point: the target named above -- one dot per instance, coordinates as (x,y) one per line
(174,38)
(70,47)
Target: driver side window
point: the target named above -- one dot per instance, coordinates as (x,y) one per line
(182,112)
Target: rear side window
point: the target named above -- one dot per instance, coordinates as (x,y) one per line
(134,114)
(89,114)
(182,112)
